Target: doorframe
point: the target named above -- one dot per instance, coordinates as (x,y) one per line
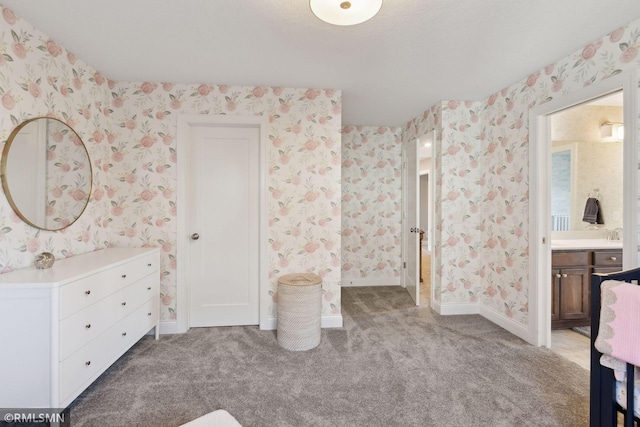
(539,325)
(185,124)
(405,208)
(430,136)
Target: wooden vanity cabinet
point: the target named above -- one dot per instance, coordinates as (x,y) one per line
(607,261)
(571,283)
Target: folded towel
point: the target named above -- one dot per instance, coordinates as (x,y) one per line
(619,334)
(592,212)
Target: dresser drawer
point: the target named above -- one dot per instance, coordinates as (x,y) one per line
(567,259)
(140,292)
(81,367)
(86,291)
(80,328)
(130,329)
(610,258)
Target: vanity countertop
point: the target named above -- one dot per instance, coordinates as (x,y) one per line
(573,244)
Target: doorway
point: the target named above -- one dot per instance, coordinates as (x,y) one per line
(542,297)
(581,243)
(418,217)
(425,150)
(221,262)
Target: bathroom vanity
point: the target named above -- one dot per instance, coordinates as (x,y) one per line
(62,327)
(571,269)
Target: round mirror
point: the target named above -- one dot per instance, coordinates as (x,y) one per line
(46,173)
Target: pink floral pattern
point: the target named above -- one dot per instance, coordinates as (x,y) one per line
(304,174)
(130,132)
(371,202)
(480,151)
(40,78)
(481,158)
(67,171)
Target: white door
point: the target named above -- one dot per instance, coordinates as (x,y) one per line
(411,226)
(223,225)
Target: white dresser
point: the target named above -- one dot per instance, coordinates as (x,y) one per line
(61,328)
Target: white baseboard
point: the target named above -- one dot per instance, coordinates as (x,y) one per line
(333,321)
(270,324)
(517,329)
(499,319)
(377,281)
(455,308)
(166,328)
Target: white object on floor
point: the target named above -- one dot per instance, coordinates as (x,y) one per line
(219,418)
(299,311)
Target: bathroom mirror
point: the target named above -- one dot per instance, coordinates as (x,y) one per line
(46,173)
(578,153)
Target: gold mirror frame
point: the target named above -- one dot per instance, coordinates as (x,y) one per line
(45,144)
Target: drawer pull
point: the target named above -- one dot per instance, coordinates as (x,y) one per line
(124,334)
(88,292)
(613,258)
(149,265)
(148,314)
(124,276)
(558,275)
(88,326)
(564,275)
(88,362)
(124,303)
(149,288)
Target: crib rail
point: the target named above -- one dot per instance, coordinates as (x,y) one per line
(603,405)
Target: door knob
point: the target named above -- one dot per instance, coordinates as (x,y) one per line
(195,236)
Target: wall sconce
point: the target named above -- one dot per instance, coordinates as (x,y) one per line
(341,12)
(612,132)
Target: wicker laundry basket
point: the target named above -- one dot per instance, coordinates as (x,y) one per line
(299,311)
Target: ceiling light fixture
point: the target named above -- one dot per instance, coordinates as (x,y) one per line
(345,12)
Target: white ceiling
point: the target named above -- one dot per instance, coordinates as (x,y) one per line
(413,54)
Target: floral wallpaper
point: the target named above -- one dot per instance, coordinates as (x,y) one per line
(304,157)
(482,158)
(68,175)
(40,78)
(481,164)
(504,139)
(130,131)
(371,203)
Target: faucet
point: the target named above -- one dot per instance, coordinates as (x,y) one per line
(615,234)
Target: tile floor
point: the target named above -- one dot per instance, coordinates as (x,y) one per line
(572,346)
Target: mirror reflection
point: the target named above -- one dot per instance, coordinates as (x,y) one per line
(586,164)
(46,173)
